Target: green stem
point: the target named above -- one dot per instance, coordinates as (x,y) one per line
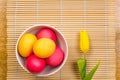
(84,56)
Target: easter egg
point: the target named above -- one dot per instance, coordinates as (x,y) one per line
(44,47)
(46,33)
(35,64)
(25,44)
(56,58)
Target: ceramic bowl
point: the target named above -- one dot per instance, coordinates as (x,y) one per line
(61,42)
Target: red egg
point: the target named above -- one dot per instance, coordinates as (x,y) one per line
(56,59)
(35,64)
(46,33)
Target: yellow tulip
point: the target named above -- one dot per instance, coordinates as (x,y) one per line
(84,41)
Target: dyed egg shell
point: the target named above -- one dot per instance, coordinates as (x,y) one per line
(44,47)
(56,59)
(25,44)
(46,33)
(35,64)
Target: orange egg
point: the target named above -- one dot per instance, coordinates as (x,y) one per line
(44,47)
(25,44)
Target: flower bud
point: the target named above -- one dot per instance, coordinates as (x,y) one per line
(84,41)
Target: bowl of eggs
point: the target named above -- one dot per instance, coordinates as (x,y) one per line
(41,50)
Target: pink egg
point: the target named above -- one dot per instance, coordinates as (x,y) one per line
(56,59)
(35,64)
(46,33)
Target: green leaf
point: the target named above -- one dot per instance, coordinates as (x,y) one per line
(82,67)
(91,73)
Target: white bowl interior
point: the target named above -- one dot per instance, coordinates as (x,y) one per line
(61,43)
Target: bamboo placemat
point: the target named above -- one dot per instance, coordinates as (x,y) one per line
(96,16)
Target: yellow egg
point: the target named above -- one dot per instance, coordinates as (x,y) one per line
(25,44)
(44,47)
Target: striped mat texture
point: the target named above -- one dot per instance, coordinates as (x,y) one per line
(68,16)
